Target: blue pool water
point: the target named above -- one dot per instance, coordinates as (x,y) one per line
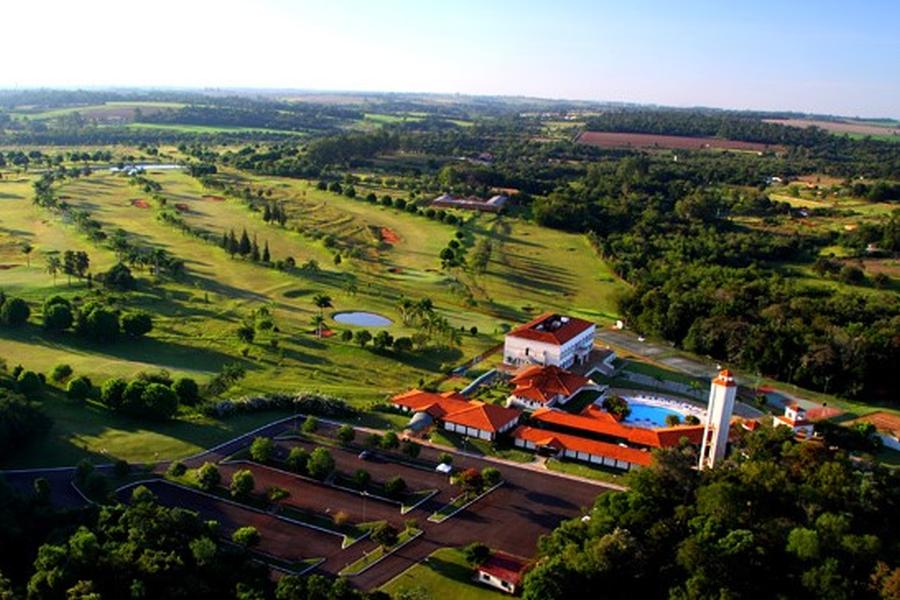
(362,319)
(644,415)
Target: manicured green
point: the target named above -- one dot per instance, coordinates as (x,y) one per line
(444,574)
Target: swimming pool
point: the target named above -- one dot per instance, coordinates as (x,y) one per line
(362,318)
(647,415)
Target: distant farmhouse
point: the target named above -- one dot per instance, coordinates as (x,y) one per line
(493,204)
(550,339)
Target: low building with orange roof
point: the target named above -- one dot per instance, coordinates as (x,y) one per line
(580,448)
(598,424)
(887,427)
(455,413)
(539,386)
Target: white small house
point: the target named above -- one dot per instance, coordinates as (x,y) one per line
(502,571)
(794,417)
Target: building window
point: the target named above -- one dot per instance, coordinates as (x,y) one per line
(527,350)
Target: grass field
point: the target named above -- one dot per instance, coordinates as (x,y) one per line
(531,270)
(444,574)
(210,128)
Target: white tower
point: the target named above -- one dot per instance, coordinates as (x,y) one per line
(718,419)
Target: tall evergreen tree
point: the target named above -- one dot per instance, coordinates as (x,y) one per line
(254,250)
(232,243)
(265,255)
(244,245)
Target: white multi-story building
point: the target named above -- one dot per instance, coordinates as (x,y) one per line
(550,339)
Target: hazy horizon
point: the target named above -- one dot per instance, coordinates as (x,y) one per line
(808,57)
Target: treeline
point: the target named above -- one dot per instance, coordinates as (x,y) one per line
(838,154)
(779,519)
(261,115)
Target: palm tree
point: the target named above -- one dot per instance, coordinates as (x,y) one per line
(322,301)
(54,266)
(26,250)
(318,321)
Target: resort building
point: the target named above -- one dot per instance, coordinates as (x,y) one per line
(539,386)
(493,204)
(887,426)
(583,449)
(454,412)
(794,417)
(502,571)
(722,393)
(550,339)
(597,424)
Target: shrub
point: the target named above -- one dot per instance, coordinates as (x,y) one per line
(58,317)
(112,392)
(261,449)
(14,312)
(208,476)
(617,406)
(411,449)
(187,390)
(373,440)
(692,420)
(61,372)
(79,388)
(157,402)
(345,434)
(321,463)
(246,536)
(137,324)
(304,402)
(242,483)
(29,384)
(298,460)
(276,494)
(673,420)
(310,425)
(477,554)
(118,277)
(395,487)
(490,476)
(470,481)
(390,440)
(445,458)
(384,534)
(362,478)
(176,469)
(346,335)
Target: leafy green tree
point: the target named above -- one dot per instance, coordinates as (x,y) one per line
(321,463)
(14,312)
(362,478)
(29,384)
(261,449)
(390,441)
(137,324)
(346,433)
(362,337)
(476,554)
(246,536)
(310,425)
(298,460)
(208,476)
(187,390)
(491,476)
(58,317)
(242,483)
(79,388)
(384,534)
(112,392)
(617,406)
(61,372)
(395,487)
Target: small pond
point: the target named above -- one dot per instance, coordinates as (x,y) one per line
(362,318)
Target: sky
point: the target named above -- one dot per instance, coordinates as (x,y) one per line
(811,56)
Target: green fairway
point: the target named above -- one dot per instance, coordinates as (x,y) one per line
(444,574)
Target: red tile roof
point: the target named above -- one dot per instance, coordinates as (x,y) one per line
(883,421)
(541,384)
(725,378)
(597,421)
(436,405)
(453,407)
(486,417)
(506,567)
(563,441)
(551,328)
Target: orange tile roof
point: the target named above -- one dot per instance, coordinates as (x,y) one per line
(486,417)
(725,378)
(542,384)
(454,408)
(549,328)
(436,405)
(563,441)
(883,421)
(597,421)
